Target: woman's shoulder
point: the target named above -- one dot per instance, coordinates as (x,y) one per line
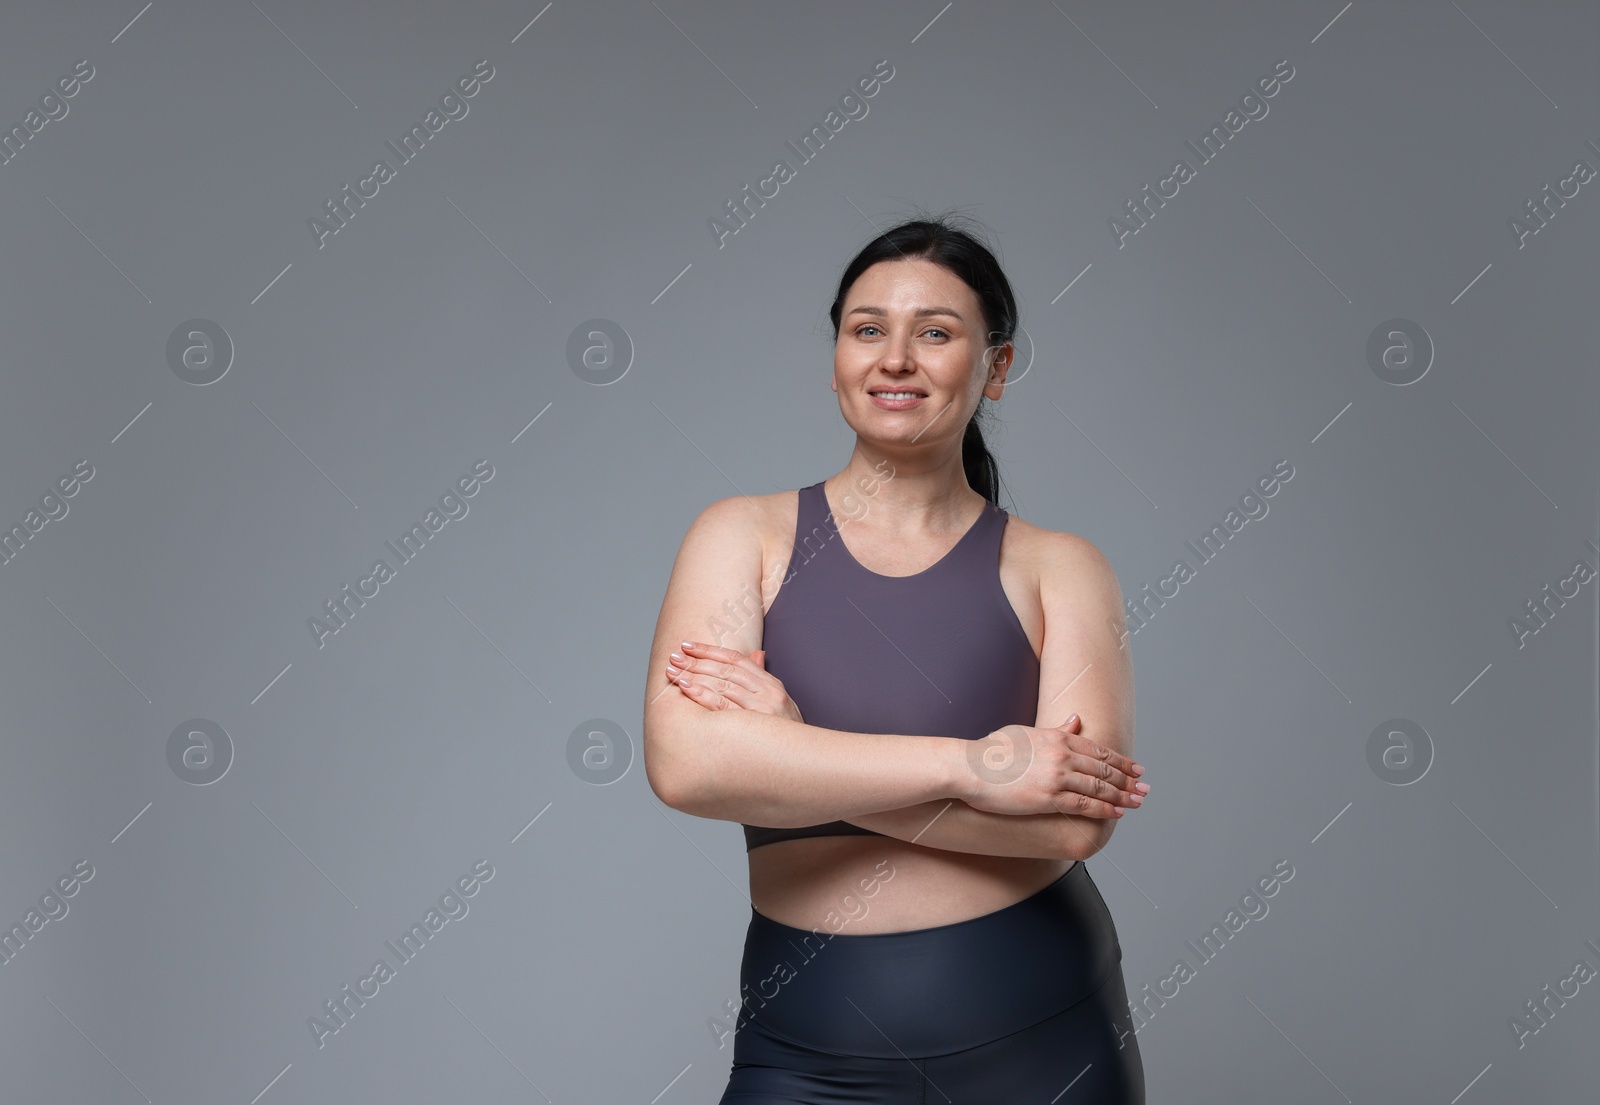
(756,533)
(752,510)
(1057,557)
(767,520)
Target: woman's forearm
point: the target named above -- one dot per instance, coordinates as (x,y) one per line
(762,769)
(954,826)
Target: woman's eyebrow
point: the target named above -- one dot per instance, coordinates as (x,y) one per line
(921,312)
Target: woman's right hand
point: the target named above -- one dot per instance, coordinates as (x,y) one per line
(1024,769)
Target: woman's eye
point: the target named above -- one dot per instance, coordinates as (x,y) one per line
(936,331)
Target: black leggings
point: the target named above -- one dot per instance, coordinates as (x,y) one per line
(1024,1004)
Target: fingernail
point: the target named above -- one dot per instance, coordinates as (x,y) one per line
(672,672)
(687,644)
(675,658)
(1119,811)
(1142,788)
(1070,720)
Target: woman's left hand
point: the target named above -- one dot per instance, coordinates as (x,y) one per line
(726,679)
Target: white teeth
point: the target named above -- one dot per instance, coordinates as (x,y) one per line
(896,395)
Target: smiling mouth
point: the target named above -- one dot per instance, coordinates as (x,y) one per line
(907,393)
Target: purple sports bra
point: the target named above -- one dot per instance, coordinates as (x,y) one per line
(938,653)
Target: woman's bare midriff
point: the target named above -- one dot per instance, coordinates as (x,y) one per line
(866,884)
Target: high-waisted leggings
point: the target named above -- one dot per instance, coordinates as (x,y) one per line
(1022,1005)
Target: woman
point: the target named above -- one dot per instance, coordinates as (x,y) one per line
(922,926)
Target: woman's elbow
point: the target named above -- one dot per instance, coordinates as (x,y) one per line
(1085,837)
(662,768)
(663,784)
(672,775)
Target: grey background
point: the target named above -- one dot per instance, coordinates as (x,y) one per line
(432,731)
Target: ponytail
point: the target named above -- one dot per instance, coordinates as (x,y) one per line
(983,474)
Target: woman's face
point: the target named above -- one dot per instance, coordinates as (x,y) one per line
(914,326)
